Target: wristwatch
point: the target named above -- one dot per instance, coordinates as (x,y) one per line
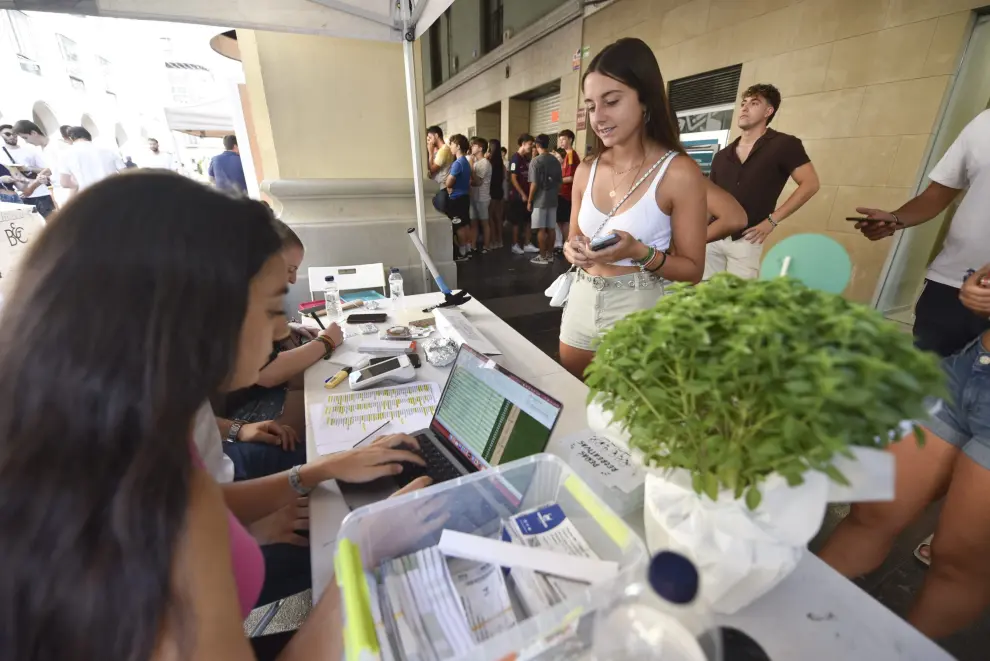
(235,429)
(295,481)
(772,221)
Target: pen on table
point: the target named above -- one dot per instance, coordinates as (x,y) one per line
(380,427)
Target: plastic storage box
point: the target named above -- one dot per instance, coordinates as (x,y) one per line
(477,504)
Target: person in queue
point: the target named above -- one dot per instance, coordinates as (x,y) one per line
(954,463)
(496,208)
(116,542)
(278,394)
(660,225)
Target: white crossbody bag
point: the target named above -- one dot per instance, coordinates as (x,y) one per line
(560,289)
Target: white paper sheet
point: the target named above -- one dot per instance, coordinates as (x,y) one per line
(471,547)
(344,420)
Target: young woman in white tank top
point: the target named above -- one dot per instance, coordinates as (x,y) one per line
(661,224)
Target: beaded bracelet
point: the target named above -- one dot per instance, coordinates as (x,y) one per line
(328,346)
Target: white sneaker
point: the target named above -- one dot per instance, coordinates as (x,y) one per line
(517,250)
(531,248)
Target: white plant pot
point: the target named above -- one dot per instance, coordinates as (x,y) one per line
(741,554)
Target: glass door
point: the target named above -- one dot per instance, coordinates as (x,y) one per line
(915,248)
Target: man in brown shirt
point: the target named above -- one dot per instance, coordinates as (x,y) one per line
(754,169)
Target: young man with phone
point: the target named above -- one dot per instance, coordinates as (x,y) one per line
(545,178)
(941,322)
(754,169)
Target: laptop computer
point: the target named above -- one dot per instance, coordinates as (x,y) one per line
(486,416)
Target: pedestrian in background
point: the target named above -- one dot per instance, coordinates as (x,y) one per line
(481,185)
(496,208)
(544,191)
(569,165)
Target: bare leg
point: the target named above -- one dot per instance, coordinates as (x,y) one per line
(957,586)
(863,539)
(575,360)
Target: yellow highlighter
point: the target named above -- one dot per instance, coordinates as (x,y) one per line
(337,378)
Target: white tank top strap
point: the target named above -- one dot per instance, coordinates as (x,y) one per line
(661,171)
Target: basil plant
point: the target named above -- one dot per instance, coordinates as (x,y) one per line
(737,379)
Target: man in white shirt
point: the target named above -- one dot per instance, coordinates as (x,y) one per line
(157,159)
(85,164)
(31,163)
(942,324)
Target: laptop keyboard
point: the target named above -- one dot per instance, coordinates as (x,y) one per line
(438,467)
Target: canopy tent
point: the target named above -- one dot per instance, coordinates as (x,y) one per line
(211,119)
(379,20)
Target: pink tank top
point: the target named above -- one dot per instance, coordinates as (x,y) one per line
(245,557)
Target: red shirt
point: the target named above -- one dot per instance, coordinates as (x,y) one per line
(568,168)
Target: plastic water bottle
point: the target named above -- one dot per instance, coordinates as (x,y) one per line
(658,619)
(395,288)
(332,296)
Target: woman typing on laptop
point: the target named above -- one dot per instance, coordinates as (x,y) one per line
(115,541)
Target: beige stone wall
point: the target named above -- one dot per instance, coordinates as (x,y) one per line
(327,107)
(863,83)
(547,60)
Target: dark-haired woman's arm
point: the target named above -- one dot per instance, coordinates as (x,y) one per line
(291,363)
(729,216)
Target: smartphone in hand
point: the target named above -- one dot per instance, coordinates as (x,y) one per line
(603,242)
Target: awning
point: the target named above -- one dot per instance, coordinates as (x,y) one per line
(211,119)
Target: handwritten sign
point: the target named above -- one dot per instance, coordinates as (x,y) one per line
(19,225)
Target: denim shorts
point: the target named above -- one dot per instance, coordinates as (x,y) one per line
(963,419)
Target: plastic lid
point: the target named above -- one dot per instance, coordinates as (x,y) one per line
(394,269)
(329,278)
(674,577)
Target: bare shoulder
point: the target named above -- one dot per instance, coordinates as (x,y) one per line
(582,173)
(203,583)
(683,169)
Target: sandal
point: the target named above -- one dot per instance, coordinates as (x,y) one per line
(924,559)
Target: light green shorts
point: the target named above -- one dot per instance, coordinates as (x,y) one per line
(595,303)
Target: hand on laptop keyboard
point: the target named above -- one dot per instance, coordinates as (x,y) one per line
(436,467)
(389,455)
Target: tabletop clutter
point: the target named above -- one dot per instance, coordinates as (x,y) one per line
(525,557)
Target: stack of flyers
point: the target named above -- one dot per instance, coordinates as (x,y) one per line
(422,616)
(546,528)
(482,589)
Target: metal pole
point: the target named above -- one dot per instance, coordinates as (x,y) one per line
(415,141)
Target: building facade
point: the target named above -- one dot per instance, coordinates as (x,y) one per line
(113,77)
(866,85)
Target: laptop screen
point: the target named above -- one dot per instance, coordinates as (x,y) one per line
(490,415)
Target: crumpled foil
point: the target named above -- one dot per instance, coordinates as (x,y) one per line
(440,351)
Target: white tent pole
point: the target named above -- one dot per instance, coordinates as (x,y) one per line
(416,142)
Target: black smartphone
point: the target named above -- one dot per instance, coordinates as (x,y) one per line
(367,318)
(854,219)
(603,242)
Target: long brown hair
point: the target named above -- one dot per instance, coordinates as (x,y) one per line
(631,62)
(125,316)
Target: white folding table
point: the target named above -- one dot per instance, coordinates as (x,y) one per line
(813,615)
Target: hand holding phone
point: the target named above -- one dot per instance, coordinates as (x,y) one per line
(603,242)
